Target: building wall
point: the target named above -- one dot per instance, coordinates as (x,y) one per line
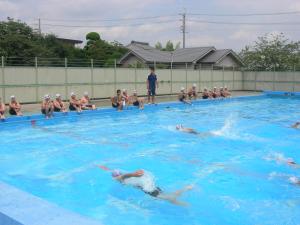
(228,61)
(30,84)
(131,60)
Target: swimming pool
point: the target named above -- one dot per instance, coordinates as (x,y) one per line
(238,173)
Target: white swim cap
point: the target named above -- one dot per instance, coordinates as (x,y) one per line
(47,96)
(72,94)
(134,92)
(194,85)
(57,95)
(182,88)
(12,96)
(86,93)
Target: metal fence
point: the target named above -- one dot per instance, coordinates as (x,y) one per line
(29,83)
(113,63)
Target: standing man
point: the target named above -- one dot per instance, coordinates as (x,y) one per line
(151,86)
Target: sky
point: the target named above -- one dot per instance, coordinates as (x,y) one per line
(160,20)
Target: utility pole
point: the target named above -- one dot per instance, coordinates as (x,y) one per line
(40,30)
(183,28)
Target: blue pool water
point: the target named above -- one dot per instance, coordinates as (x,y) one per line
(239,174)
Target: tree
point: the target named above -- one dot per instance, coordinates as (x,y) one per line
(272,52)
(169,46)
(158,46)
(19,43)
(102,51)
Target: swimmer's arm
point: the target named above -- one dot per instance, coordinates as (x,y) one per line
(137,173)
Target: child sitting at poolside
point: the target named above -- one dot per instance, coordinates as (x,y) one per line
(47,107)
(182,96)
(75,104)
(14,107)
(59,106)
(117,101)
(86,102)
(2,110)
(192,92)
(136,101)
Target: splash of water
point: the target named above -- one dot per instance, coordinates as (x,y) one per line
(227,130)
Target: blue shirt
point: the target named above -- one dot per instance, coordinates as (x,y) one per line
(152,81)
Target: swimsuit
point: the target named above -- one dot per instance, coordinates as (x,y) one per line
(71,107)
(12,111)
(136,103)
(155,192)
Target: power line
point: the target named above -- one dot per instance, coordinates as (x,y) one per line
(247,14)
(109,20)
(244,23)
(108,26)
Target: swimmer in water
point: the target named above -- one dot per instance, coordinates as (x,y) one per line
(292,163)
(296,125)
(192,131)
(186,129)
(289,161)
(294,180)
(136,179)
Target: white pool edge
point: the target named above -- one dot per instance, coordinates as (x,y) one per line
(21,208)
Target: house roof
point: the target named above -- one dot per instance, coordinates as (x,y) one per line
(218,55)
(71,41)
(147,53)
(191,54)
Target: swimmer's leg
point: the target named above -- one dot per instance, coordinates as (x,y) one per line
(205,134)
(172,197)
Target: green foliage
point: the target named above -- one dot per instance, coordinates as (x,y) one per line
(158,46)
(169,46)
(92,36)
(272,52)
(19,41)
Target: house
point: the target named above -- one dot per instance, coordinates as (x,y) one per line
(70,42)
(141,53)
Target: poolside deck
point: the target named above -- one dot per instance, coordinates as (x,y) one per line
(35,108)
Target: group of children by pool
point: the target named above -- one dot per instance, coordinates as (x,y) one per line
(49,106)
(192,93)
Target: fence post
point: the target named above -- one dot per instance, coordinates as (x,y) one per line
(2,78)
(115,75)
(66,78)
(186,81)
(255,80)
(135,77)
(273,78)
(199,78)
(92,78)
(294,80)
(211,76)
(171,71)
(36,79)
(233,78)
(223,77)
